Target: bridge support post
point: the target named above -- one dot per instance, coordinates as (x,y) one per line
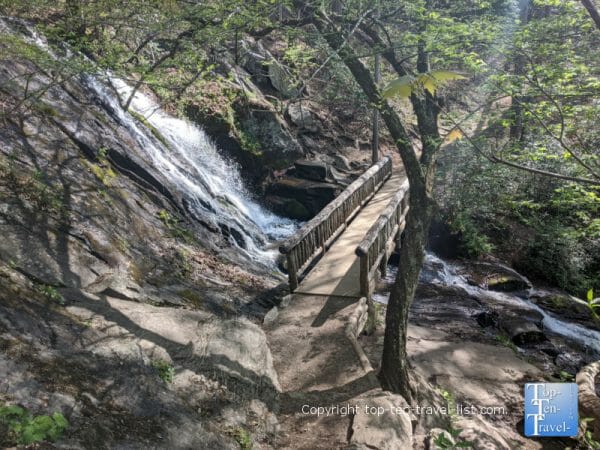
(365,288)
(292,268)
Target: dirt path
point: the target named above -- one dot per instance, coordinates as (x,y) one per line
(318,365)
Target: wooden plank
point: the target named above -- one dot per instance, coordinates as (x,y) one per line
(325,213)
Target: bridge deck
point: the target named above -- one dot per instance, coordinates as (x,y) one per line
(338,271)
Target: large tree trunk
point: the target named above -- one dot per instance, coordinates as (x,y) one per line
(394,364)
(394,372)
(593,11)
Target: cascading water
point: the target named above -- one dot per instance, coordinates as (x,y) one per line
(437,271)
(211,185)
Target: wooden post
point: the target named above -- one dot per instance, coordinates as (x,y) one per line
(365,288)
(292,271)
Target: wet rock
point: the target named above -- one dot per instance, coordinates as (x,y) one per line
(569,361)
(520,330)
(496,277)
(313,195)
(566,307)
(311,170)
(257,138)
(288,207)
(487,319)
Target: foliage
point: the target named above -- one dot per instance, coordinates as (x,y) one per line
(243,438)
(166,371)
(506,341)
(374,318)
(449,438)
(586,439)
(406,85)
(27,429)
(52,294)
(174,227)
(566,377)
(443,442)
(593,304)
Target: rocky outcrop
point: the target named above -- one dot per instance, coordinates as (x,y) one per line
(387,429)
(496,277)
(259,62)
(108,283)
(300,198)
(248,129)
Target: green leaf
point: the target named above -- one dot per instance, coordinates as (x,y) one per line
(464,444)
(590,295)
(12,410)
(401,87)
(60,420)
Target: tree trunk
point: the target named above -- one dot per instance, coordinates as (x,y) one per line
(394,372)
(593,11)
(394,364)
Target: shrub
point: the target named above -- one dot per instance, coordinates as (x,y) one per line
(26,428)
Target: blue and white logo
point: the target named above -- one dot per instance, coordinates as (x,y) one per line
(551,409)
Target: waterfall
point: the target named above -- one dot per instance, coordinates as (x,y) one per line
(210,184)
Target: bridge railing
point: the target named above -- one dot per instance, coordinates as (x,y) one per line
(377,245)
(313,239)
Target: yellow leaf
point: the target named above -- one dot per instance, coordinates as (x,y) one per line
(401,87)
(454,135)
(429,83)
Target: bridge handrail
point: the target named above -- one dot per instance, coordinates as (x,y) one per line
(374,245)
(315,235)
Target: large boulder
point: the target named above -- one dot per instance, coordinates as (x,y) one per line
(311,170)
(381,422)
(259,62)
(312,195)
(302,116)
(566,307)
(496,277)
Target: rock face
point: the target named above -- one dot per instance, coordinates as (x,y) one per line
(250,131)
(302,117)
(258,61)
(311,195)
(109,286)
(312,170)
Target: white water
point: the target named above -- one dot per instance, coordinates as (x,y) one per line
(211,185)
(445,274)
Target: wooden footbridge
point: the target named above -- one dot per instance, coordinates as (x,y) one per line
(339,251)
